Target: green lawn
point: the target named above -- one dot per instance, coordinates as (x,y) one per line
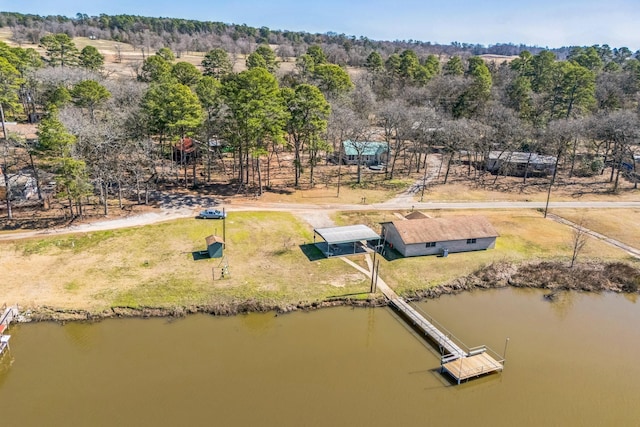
(269,258)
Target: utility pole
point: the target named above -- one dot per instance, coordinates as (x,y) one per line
(339,165)
(224,229)
(377,272)
(424,177)
(553,179)
(373,272)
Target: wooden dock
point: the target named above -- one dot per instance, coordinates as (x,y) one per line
(8,315)
(446,344)
(461,364)
(456,359)
(468,367)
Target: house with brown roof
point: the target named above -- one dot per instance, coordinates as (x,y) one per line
(439,236)
(185,150)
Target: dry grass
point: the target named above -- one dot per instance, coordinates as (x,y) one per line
(524,235)
(462,186)
(154,266)
(329,195)
(619,224)
(131,58)
(268,262)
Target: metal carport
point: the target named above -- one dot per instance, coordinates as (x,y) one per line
(346,240)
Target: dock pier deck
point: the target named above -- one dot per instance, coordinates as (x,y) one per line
(459,363)
(457,360)
(468,367)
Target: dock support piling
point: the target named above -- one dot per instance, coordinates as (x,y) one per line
(504,353)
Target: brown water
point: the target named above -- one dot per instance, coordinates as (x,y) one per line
(569,363)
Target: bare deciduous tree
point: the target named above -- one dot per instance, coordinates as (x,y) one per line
(579,239)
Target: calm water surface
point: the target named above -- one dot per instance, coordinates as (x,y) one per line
(569,363)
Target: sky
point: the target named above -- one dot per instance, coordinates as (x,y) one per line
(543,23)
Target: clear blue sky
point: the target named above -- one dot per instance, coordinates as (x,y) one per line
(546,23)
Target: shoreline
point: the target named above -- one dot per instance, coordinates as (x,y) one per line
(555,276)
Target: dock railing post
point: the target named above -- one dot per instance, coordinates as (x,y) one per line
(504,353)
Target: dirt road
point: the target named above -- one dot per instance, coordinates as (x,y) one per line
(182,206)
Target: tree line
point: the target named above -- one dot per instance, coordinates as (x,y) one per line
(183,35)
(118,138)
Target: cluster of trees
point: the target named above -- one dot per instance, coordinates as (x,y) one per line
(61,51)
(535,103)
(251,111)
(114,137)
(183,35)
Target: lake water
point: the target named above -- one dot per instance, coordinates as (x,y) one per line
(573,362)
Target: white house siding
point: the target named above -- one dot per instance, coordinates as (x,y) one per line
(453,246)
(463,246)
(411,237)
(420,249)
(391,236)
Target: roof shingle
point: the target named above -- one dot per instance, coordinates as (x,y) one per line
(444,229)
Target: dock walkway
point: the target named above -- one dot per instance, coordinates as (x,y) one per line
(8,315)
(446,344)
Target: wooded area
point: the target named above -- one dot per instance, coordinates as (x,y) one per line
(237,114)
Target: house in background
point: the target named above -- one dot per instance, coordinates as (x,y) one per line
(185,150)
(439,236)
(22,186)
(366,152)
(518,163)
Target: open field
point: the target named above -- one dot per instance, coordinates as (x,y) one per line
(132,57)
(619,224)
(154,266)
(524,236)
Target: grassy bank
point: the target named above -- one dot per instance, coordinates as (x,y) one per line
(268,256)
(524,236)
(619,224)
(155,266)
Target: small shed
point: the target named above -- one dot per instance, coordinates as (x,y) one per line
(215,246)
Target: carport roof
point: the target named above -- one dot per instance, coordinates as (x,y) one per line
(346,234)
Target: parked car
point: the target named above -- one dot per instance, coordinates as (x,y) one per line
(212,214)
